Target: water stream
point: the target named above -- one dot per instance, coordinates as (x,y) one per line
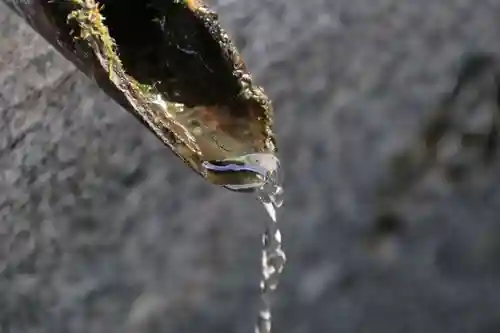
(273,256)
(269,190)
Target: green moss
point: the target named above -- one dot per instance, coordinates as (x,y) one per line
(93,29)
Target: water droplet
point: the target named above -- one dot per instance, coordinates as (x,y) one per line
(197,131)
(179,108)
(270,210)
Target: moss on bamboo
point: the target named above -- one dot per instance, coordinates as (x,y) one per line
(91,22)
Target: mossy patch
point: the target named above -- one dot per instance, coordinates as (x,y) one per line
(92,28)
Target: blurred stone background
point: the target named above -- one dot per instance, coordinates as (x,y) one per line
(103,230)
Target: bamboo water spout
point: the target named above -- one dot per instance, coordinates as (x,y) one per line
(171,65)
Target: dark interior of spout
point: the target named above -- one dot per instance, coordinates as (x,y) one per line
(164,43)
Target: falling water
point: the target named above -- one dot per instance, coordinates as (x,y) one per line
(270,192)
(273,256)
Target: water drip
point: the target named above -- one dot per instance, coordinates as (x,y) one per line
(259,173)
(273,256)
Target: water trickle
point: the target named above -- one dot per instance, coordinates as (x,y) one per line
(273,256)
(267,184)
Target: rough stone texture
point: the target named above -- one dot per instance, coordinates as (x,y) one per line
(103,230)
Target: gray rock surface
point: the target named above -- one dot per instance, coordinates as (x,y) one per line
(102,229)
